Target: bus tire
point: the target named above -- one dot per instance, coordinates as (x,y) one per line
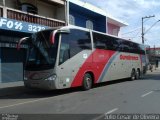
(87,82)
(133,74)
(137,74)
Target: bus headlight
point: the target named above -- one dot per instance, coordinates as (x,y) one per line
(53,77)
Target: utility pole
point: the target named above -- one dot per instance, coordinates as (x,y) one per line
(142,26)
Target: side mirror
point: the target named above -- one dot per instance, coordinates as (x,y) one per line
(53,34)
(20,41)
(52,37)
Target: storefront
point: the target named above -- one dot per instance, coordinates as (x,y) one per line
(12,61)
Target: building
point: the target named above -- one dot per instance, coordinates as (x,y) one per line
(154,56)
(86,15)
(114,25)
(19,18)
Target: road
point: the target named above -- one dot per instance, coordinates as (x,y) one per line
(123,96)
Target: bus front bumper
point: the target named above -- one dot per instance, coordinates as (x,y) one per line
(40,84)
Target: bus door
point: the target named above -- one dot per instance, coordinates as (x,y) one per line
(64,69)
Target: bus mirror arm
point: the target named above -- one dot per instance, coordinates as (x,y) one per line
(52,38)
(53,34)
(20,41)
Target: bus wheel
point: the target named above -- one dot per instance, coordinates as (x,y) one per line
(137,74)
(133,75)
(87,82)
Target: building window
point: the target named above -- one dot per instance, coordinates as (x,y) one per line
(115,32)
(27,7)
(89,24)
(71,20)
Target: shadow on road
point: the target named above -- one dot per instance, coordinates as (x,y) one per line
(34,93)
(155,75)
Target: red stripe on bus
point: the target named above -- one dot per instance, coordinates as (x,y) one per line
(95,63)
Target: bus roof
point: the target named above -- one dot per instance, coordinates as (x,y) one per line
(85,29)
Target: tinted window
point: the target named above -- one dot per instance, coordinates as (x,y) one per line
(99,41)
(125,46)
(110,43)
(41,54)
(73,43)
(105,42)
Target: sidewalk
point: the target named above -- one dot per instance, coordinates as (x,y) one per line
(157,70)
(12,88)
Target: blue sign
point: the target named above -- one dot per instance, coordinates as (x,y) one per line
(15,25)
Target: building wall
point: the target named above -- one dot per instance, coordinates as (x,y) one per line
(113,29)
(11,3)
(60,13)
(154,51)
(154,56)
(81,15)
(46,10)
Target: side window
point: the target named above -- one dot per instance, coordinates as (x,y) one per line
(64,49)
(135,48)
(99,41)
(89,24)
(114,43)
(105,42)
(119,45)
(73,43)
(71,20)
(125,46)
(79,40)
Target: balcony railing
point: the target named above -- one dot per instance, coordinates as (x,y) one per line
(28,17)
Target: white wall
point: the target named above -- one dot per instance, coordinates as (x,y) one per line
(60,13)
(11,3)
(46,10)
(52,11)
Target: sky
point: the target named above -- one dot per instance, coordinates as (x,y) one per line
(131,12)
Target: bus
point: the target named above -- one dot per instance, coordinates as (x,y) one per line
(68,56)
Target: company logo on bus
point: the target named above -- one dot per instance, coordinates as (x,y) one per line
(128,57)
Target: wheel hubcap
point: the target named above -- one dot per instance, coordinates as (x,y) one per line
(88,82)
(133,75)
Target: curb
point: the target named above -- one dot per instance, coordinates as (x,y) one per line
(12,88)
(12,91)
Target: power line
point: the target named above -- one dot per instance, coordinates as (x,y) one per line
(131,31)
(152,26)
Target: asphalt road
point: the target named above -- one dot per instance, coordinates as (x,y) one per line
(123,96)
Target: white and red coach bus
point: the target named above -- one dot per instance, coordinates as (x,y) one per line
(71,56)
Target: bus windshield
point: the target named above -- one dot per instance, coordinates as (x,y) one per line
(41,53)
